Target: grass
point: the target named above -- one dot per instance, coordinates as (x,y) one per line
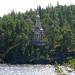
(71,63)
(58,70)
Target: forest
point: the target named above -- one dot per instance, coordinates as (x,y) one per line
(59,28)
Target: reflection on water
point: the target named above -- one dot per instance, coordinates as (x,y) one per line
(27,70)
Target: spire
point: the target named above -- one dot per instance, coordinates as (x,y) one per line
(38,23)
(37,16)
(37,10)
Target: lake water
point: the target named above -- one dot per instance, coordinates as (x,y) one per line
(29,70)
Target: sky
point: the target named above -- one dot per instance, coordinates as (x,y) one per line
(6,6)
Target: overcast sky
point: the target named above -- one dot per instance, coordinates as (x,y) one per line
(22,5)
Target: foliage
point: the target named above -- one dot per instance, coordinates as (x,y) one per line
(59,28)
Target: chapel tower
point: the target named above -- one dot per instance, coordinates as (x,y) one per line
(37,35)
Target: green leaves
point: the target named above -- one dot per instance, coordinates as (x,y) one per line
(16,31)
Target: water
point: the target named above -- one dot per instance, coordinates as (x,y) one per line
(29,70)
